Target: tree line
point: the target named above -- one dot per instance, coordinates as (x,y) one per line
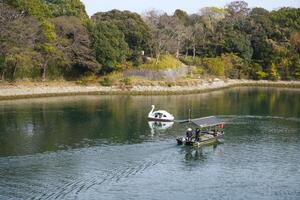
(52,39)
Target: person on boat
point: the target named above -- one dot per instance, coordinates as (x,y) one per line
(215,132)
(197,135)
(189,134)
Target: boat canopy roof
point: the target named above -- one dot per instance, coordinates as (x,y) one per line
(207,121)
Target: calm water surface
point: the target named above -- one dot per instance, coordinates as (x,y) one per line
(102,147)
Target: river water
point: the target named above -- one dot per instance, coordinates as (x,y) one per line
(102,147)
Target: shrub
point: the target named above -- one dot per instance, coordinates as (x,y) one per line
(261,75)
(256,72)
(106,81)
(32,73)
(127,81)
(234,66)
(273,73)
(55,72)
(197,61)
(198,70)
(214,66)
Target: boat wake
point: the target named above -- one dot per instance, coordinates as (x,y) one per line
(233,117)
(74,187)
(80,183)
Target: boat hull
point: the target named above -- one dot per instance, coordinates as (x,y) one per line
(205,140)
(205,143)
(160,120)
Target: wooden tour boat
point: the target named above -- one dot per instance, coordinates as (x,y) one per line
(209,131)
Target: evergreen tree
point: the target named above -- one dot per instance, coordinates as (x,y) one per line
(109,45)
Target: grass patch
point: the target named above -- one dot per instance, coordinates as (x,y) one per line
(111,79)
(87,79)
(165,62)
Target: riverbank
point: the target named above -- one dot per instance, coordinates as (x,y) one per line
(18,91)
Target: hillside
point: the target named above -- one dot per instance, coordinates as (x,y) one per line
(55,39)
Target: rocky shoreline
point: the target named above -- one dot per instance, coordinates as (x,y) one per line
(30,91)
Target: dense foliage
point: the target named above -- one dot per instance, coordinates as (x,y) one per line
(131,25)
(52,39)
(109,45)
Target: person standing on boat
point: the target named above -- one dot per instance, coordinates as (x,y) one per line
(189,134)
(197,135)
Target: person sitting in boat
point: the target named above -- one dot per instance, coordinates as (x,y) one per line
(197,135)
(214,132)
(189,134)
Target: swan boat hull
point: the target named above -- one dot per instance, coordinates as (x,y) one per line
(160,119)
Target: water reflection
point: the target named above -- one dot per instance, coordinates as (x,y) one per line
(109,151)
(157,126)
(192,154)
(199,153)
(46,124)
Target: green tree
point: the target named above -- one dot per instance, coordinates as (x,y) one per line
(261,28)
(36,8)
(287,19)
(18,34)
(297,69)
(13,60)
(211,40)
(296,66)
(235,67)
(67,8)
(284,67)
(47,46)
(21,63)
(135,30)
(109,45)
(182,16)
(239,43)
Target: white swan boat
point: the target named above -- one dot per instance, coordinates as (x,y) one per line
(160,115)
